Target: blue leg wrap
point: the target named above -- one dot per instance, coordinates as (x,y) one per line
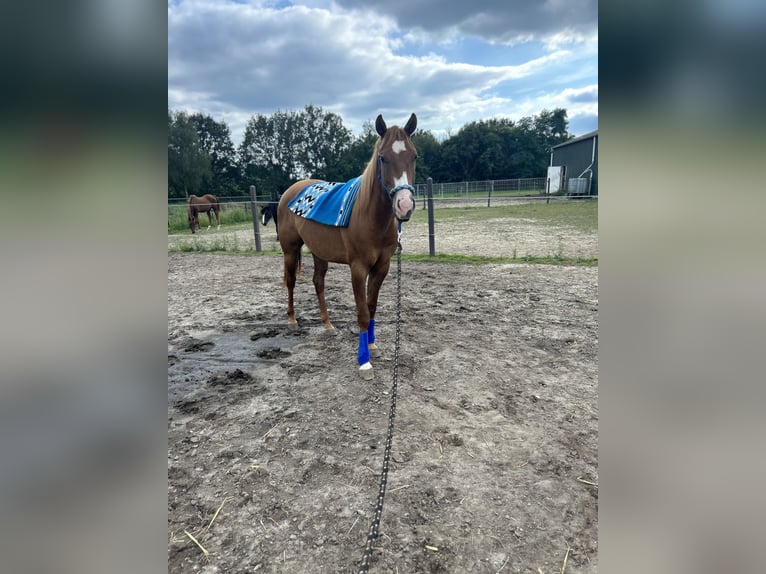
(364,353)
(371,332)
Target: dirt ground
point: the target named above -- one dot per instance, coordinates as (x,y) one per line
(275,444)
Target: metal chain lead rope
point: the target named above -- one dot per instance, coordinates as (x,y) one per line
(373,533)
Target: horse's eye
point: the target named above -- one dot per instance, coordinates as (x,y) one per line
(384,160)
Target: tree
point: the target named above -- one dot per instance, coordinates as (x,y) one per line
(552,127)
(188,162)
(321,140)
(354,159)
(287,146)
(265,156)
(215,139)
(501,149)
(460,154)
(428,154)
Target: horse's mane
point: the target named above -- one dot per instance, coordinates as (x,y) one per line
(369,175)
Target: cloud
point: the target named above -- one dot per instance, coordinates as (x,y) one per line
(234,60)
(588,94)
(492,20)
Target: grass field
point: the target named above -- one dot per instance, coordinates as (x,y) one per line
(230,215)
(558,225)
(582,215)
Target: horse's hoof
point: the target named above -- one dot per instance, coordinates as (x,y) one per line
(329,326)
(329,332)
(374,350)
(293,326)
(366,372)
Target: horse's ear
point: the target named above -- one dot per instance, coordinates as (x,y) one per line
(380,125)
(412,123)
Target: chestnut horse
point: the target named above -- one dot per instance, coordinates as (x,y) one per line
(206,204)
(366,245)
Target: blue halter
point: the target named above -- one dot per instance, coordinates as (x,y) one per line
(391,192)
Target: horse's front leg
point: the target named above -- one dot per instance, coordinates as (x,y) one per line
(209,221)
(358,280)
(377,275)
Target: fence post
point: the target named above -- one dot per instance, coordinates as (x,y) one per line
(491,188)
(430,194)
(256,223)
(548,191)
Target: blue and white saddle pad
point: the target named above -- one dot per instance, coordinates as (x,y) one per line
(329,203)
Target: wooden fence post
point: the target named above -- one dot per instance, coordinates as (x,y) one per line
(430,195)
(256,223)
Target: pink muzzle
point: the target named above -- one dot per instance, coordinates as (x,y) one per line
(404,204)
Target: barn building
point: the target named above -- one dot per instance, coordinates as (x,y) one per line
(574,165)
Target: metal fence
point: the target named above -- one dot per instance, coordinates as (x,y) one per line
(489,192)
(501,187)
(521,188)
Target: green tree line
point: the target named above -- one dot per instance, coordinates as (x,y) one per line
(280,148)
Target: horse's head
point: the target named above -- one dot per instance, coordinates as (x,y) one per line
(193,223)
(266,214)
(396,165)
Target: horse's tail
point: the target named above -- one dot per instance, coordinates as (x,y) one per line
(274,212)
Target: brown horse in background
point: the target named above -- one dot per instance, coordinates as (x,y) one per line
(206,204)
(367,244)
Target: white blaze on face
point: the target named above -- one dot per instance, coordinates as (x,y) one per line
(401,180)
(403,202)
(398,147)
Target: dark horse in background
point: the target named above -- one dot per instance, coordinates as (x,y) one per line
(268,212)
(385,196)
(206,204)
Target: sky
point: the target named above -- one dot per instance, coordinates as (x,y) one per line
(450,63)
